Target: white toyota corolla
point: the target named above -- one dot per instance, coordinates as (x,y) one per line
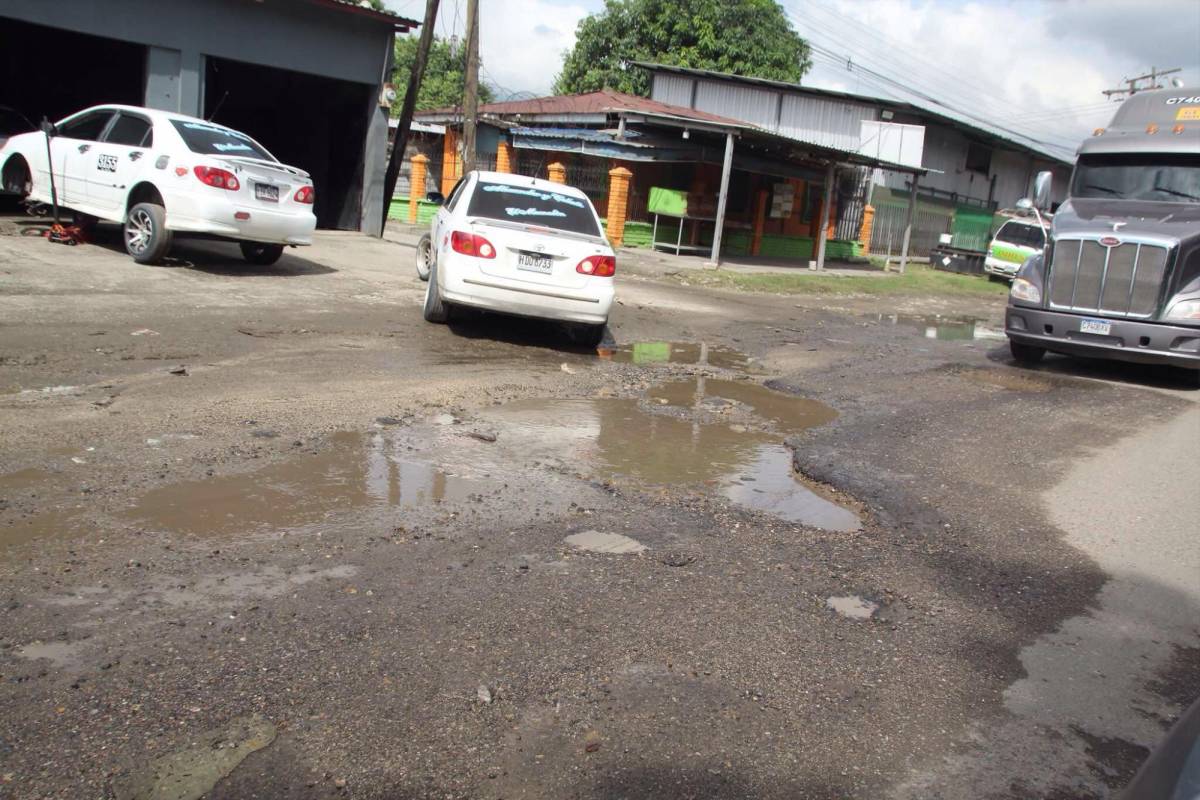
(520,246)
(158,174)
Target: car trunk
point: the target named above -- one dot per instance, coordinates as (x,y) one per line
(535,255)
(263,183)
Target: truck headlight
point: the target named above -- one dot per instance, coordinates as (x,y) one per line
(1184,311)
(1025,290)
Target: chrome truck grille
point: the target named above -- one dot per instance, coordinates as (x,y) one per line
(1118,281)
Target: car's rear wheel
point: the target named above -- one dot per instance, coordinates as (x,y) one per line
(435,309)
(589,336)
(146,236)
(1026,354)
(261,254)
(424,257)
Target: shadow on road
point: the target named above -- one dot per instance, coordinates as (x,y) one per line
(1149,375)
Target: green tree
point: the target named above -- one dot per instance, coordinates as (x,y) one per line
(445,75)
(745,37)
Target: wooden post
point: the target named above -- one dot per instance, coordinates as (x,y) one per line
(868,224)
(908,223)
(556,172)
(471,87)
(826,202)
(726,168)
(760,219)
(416,186)
(504,157)
(618,204)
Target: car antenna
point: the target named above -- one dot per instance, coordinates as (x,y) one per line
(217,108)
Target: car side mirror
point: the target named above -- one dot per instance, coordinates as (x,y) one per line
(48,127)
(1041,190)
(437,198)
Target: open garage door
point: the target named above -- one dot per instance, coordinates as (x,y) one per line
(317,124)
(50,72)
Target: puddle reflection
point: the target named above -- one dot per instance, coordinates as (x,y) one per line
(946,328)
(698,353)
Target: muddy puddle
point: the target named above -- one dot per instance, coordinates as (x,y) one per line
(945,328)
(694,353)
(626,440)
(355,471)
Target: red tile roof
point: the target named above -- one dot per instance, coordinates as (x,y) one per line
(601,102)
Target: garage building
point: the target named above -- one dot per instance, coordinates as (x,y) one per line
(306,78)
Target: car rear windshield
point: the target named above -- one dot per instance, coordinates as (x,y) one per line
(1025,235)
(214,140)
(534,206)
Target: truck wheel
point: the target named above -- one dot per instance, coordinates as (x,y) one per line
(435,310)
(146,236)
(261,254)
(424,257)
(1026,354)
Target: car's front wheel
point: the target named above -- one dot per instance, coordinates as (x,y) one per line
(424,257)
(1026,354)
(436,310)
(17,179)
(261,254)
(146,236)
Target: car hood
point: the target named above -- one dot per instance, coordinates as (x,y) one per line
(1177,222)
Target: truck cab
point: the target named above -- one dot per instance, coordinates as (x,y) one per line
(1119,276)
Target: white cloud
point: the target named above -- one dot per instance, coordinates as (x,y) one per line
(1037,67)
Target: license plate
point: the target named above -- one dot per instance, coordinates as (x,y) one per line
(1100,326)
(264,191)
(534,262)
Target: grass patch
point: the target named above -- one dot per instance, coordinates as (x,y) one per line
(918,279)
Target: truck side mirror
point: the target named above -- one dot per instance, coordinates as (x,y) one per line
(1041,190)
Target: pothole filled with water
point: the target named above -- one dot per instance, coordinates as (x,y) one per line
(945,328)
(695,353)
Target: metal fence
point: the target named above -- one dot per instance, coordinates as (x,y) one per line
(929,222)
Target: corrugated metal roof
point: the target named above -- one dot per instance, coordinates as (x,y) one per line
(365,9)
(1023,143)
(605,101)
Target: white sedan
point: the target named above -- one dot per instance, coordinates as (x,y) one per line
(520,246)
(158,174)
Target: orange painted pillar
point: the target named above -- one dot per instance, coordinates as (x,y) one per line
(416,185)
(618,204)
(451,161)
(760,219)
(556,172)
(505,158)
(864,233)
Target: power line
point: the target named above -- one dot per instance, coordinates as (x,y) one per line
(1132,83)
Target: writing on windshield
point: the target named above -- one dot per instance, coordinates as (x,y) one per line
(207,139)
(529,204)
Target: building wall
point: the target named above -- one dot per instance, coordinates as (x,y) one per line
(298,36)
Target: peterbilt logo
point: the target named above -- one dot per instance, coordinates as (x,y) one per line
(1109,241)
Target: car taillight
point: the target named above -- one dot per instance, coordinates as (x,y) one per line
(471,244)
(599,266)
(305,194)
(220,178)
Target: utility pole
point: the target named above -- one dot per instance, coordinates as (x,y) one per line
(471,90)
(1132,83)
(400,141)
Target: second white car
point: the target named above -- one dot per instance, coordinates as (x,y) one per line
(522,246)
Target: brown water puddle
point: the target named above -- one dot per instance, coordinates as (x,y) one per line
(22,479)
(355,471)
(787,412)
(621,440)
(46,525)
(945,328)
(698,353)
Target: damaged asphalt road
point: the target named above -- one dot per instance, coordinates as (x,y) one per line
(345,553)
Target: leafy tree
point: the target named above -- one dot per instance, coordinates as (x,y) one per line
(745,37)
(445,75)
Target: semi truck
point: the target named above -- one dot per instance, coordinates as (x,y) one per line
(1119,276)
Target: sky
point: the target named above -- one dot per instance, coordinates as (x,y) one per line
(1035,67)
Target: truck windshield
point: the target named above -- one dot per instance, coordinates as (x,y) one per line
(1162,177)
(533,206)
(1024,235)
